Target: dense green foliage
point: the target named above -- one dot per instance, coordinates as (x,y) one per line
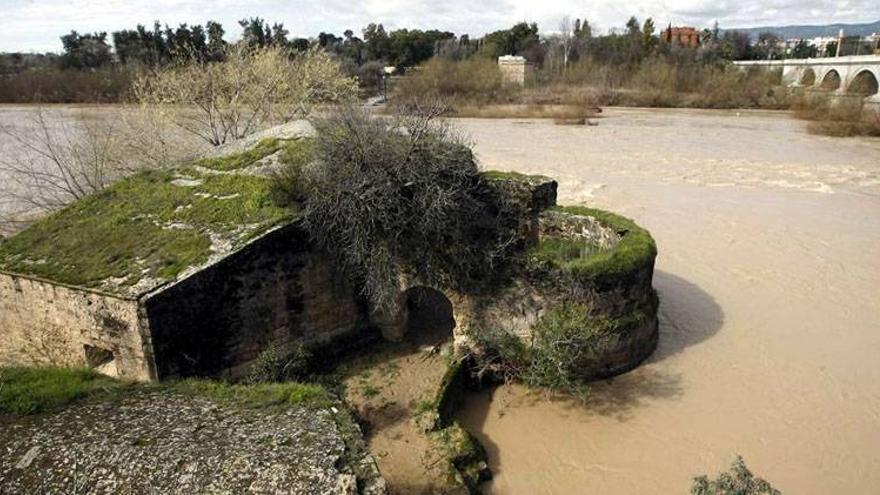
(737,481)
(150,225)
(36,390)
(568,344)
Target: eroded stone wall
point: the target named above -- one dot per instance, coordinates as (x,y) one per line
(276,289)
(627,297)
(46,323)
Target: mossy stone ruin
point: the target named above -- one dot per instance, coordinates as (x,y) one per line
(196,271)
(599,262)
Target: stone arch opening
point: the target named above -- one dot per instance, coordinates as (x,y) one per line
(864,84)
(430,318)
(808,77)
(831,81)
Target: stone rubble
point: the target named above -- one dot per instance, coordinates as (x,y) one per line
(153,441)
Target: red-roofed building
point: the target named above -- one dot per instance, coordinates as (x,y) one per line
(681,36)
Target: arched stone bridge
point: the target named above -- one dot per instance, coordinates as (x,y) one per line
(857,74)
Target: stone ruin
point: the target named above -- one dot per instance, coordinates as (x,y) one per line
(268,284)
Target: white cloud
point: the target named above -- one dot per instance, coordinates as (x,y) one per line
(35,25)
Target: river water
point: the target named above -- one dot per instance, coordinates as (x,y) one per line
(768,273)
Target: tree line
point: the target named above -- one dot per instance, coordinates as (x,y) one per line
(160,45)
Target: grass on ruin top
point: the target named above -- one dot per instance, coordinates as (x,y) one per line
(150,226)
(499,175)
(34,390)
(588,263)
(250,157)
(259,395)
(561,252)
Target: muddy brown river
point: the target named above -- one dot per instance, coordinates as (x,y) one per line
(768,274)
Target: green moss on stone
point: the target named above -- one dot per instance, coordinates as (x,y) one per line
(560,252)
(467,459)
(257,395)
(244,159)
(635,249)
(154,224)
(36,390)
(499,175)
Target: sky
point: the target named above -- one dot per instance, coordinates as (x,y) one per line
(35,25)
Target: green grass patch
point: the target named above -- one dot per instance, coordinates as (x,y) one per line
(292,151)
(635,249)
(35,390)
(499,175)
(246,158)
(559,251)
(258,395)
(143,226)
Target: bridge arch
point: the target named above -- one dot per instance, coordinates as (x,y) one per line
(864,83)
(831,80)
(808,77)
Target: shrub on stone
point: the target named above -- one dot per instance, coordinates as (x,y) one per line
(566,350)
(280,363)
(399,196)
(568,345)
(737,481)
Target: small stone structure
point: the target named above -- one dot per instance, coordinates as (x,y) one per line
(224,275)
(515,69)
(244,276)
(616,283)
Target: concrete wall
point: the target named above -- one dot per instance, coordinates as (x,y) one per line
(515,70)
(275,289)
(46,323)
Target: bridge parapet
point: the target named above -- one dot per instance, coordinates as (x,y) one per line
(851,74)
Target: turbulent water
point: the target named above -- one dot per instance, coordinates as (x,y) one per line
(768,274)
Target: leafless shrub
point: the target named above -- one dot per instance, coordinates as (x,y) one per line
(739,480)
(222,101)
(54,158)
(469,82)
(838,116)
(399,196)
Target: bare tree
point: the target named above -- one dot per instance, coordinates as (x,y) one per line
(222,101)
(54,158)
(54,161)
(566,38)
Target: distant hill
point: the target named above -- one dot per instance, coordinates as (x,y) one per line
(788,32)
